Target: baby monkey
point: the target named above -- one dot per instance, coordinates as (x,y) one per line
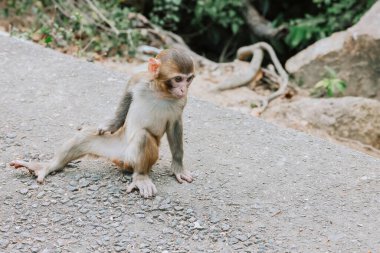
(151,106)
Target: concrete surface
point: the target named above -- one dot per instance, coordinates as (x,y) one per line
(258,188)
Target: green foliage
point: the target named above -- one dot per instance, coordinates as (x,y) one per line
(331,16)
(201,17)
(77,28)
(47,38)
(166,13)
(330,86)
(225,13)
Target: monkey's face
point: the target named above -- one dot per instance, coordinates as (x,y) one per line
(179,84)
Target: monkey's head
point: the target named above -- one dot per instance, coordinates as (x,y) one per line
(173,71)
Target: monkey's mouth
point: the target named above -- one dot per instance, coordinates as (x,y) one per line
(176,95)
(180,96)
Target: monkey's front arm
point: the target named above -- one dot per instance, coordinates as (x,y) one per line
(174,133)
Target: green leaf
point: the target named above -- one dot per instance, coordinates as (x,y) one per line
(235,28)
(321,84)
(330,91)
(341,86)
(48,39)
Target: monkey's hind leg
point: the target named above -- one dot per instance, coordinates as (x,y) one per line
(35,168)
(83,143)
(142,153)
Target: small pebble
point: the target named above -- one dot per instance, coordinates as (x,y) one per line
(24,191)
(40,194)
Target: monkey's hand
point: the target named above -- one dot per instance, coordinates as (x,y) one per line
(144,184)
(102,129)
(184,175)
(37,169)
(180,173)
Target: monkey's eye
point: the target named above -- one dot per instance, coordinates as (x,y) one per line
(178,79)
(190,79)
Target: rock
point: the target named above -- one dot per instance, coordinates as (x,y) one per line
(348,117)
(120,229)
(83,183)
(4,243)
(84,210)
(354,54)
(241,237)
(40,194)
(72,188)
(11,135)
(225,227)
(214,219)
(35,249)
(64,200)
(119,248)
(143,245)
(164,207)
(94,187)
(34,186)
(178,208)
(24,191)
(232,241)
(198,226)
(140,215)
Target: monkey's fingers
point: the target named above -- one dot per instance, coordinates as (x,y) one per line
(101,131)
(147,188)
(182,177)
(178,177)
(21,164)
(131,187)
(35,168)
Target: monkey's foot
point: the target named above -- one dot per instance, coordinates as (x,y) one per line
(101,131)
(37,169)
(144,184)
(182,176)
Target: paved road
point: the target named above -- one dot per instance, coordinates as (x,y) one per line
(258,188)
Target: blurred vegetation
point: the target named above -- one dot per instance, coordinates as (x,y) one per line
(329,86)
(72,26)
(329,16)
(215,28)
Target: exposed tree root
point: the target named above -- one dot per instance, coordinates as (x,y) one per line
(278,75)
(259,25)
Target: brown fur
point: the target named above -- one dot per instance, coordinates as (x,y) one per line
(149,154)
(174,60)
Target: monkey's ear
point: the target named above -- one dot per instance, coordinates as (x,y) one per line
(154,66)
